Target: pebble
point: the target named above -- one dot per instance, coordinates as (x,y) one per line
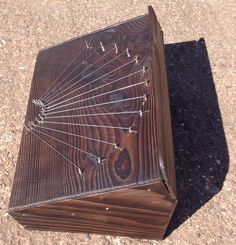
(218,161)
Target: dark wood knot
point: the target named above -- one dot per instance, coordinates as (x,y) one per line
(123,164)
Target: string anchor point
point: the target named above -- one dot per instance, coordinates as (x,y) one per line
(146,82)
(87,45)
(116,48)
(30,125)
(80,172)
(116,146)
(40,117)
(34,101)
(144,69)
(143,112)
(102,46)
(130,130)
(38,103)
(39,120)
(144,98)
(128,52)
(137,58)
(100,160)
(43,111)
(41,104)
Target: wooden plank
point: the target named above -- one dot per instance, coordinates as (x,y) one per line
(120,212)
(166,151)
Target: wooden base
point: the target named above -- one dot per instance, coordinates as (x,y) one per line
(142,211)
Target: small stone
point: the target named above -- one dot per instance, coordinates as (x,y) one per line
(2,43)
(218,161)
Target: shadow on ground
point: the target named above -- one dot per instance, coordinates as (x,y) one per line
(201,152)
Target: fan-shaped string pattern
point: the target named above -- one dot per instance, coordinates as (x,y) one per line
(92,105)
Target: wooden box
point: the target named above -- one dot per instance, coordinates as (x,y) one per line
(96,153)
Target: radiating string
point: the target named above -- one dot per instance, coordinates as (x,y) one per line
(96,96)
(63,71)
(87,84)
(77,135)
(94,105)
(91,125)
(46,96)
(72,146)
(91,90)
(52,100)
(72,163)
(66,88)
(96,114)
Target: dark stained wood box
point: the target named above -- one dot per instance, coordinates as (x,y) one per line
(130,188)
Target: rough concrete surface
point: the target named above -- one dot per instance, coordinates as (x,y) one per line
(203,98)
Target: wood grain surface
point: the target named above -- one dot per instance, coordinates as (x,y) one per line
(120,212)
(165,139)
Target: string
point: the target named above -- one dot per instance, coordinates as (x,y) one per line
(46,96)
(72,163)
(91,125)
(93,105)
(54,95)
(80,136)
(87,84)
(62,73)
(72,146)
(96,114)
(96,96)
(101,86)
(64,89)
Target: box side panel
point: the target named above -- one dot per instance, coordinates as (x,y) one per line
(138,212)
(166,152)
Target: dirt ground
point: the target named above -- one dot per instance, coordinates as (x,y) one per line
(203,97)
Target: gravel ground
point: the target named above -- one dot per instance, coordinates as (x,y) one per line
(203,98)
